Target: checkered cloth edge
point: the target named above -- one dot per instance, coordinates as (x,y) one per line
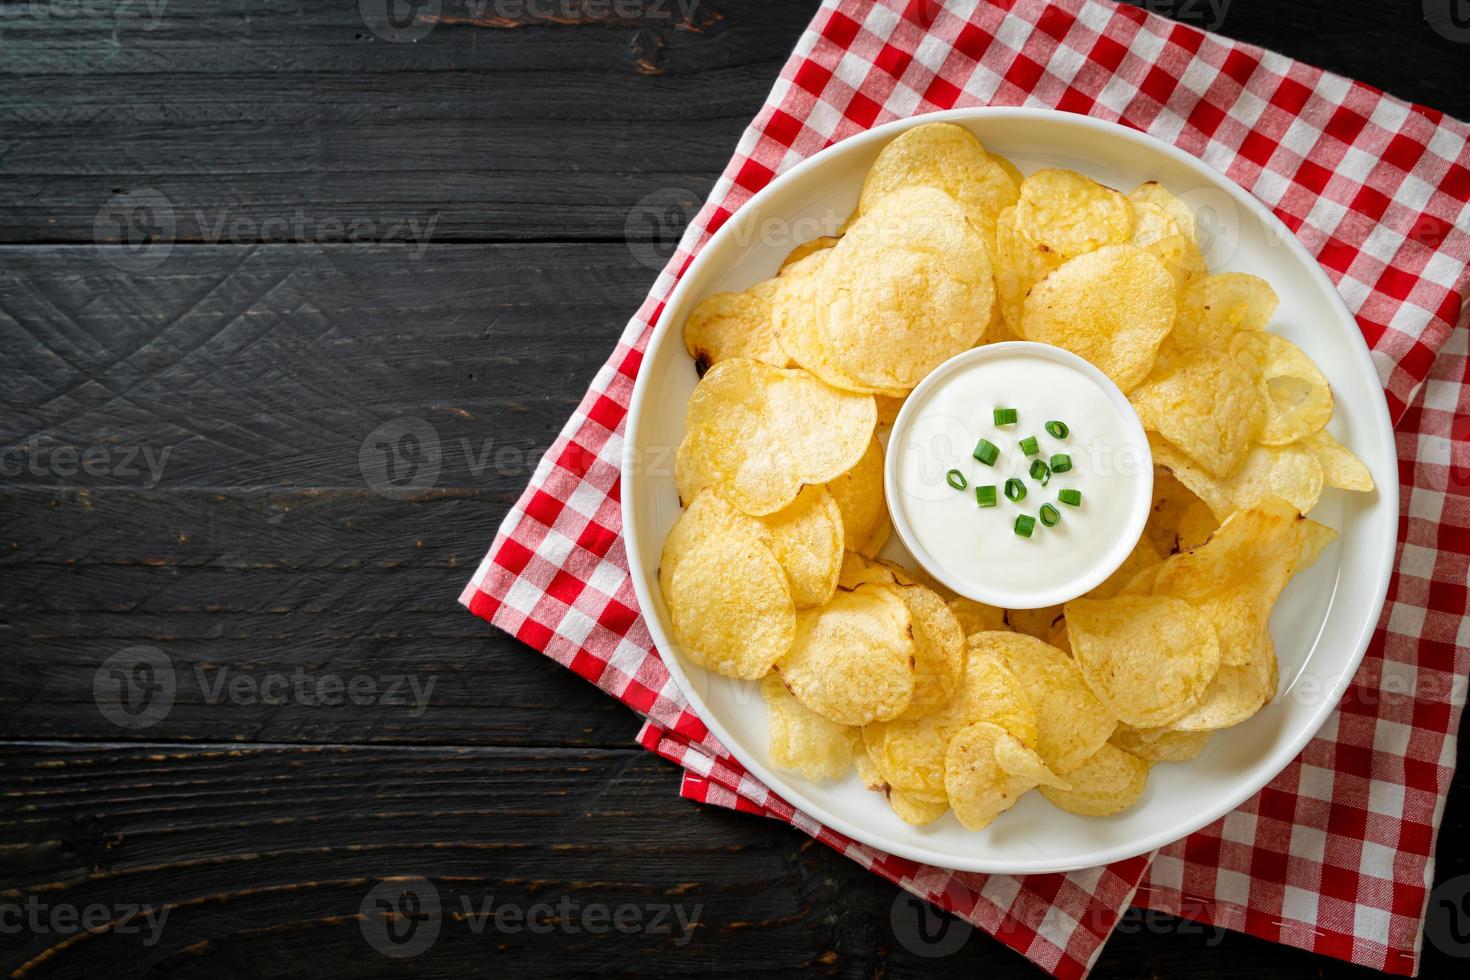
(1336,855)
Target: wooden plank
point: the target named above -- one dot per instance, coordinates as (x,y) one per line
(264,858)
(297,121)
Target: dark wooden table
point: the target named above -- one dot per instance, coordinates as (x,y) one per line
(361,225)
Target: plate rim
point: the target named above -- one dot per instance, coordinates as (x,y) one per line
(778,784)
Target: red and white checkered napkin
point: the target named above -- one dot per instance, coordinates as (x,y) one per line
(1336,855)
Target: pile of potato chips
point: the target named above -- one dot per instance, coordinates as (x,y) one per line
(939,702)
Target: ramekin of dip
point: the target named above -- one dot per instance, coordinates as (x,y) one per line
(1067,508)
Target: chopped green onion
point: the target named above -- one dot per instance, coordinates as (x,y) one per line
(985,496)
(1050,515)
(956,479)
(1025,524)
(1040,472)
(986,452)
(1070,497)
(1061,463)
(1029,446)
(1058,430)
(1015,490)
(1005,416)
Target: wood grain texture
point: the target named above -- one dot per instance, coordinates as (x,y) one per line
(444,231)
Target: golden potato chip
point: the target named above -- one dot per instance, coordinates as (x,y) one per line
(909,753)
(912,810)
(1148,659)
(986,770)
(1108,783)
(947,158)
(977,617)
(1196,524)
(939,650)
(1340,467)
(1235,577)
(1113,307)
(1213,309)
(867,772)
(1156,232)
(879,537)
(1160,744)
(907,288)
(1152,192)
(1072,214)
(857,570)
(888,409)
(1034,622)
(1208,403)
(1144,555)
(1289,472)
(730,606)
(1316,538)
(1019,264)
(1298,399)
(806,538)
(1011,169)
(1071,723)
(1236,693)
(799,294)
(727,325)
(805,249)
(1172,500)
(1058,637)
(859,496)
(804,741)
(739,437)
(708,516)
(851,661)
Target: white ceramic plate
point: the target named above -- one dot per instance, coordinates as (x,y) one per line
(1321,625)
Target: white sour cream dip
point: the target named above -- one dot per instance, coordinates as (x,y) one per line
(975,550)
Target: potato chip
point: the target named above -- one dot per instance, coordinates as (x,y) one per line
(1289,472)
(909,753)
(977,617)
(798,296)
(1156,232)
(1072,214)
(879,537)
(857,570)
(939,650)
(730,606)
(726,325)
(1236,693)
(1071,723)
(912,810)
(1019,264)
(1159,744)
(1171,499)
(1113,307)
(859,496)
(805,249)
(1213,309)
(907,288)
(1298,399)
(1148,659)
(1154,193)
(708,516)
(1207,403)
(1108,783)
(986,770)
(1235,577)
(1340,467)
(806,538)
(888,409)
(947,158)
(1314,541)
(1144,555)
(868,773)
(804,741)
(851,661)
(739,438)
(1034,622)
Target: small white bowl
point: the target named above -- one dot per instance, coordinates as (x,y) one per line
(1133,453)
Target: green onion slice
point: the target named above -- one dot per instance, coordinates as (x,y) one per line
(1061,463)
(1029,446)
(986,452)
(1040,472)
(1058,430)
(1050,515)
(956,479)
(1015,490)
(985,496)
(1070,497)
(1025,524)
(1005,416)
